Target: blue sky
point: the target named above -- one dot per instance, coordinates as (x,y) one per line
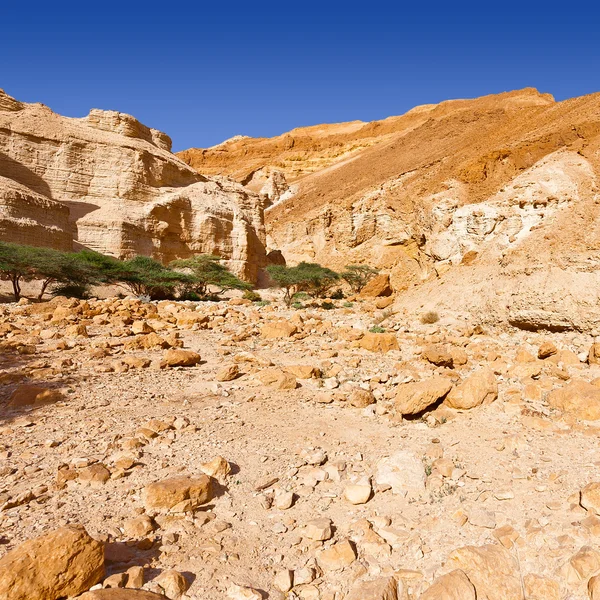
(203,72)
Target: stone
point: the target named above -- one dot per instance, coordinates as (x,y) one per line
(135,577)
(173,583)
(117,580)
(319,530)
(358,493)
(480,517)
(175,357)
(546,350)
(582,564)
(79,330)
(378,286)
(167,494)
(403,471)
(218,468)
(95,475)
(491,569)
(379,342)
(414,398)
(590,497)
(594,587)
(65,562)
(439,356)
(283,499)
(541,588)
(280,379)
(239,592)
(278,329)
(304,371)
(385,588)
(360,398)
(284,580)
(452,586)
(336,557)
(138,527)
(594,354)
(479,388)
(228,373)
(579,398)
(32,395)
(138,327)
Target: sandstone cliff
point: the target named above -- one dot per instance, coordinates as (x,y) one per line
(109,183)
(490,203)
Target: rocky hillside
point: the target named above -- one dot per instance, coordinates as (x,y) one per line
(496,195)
(109,183)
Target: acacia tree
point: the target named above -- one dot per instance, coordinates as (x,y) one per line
(145,276)
(308,277)
(357,276)
(208,270)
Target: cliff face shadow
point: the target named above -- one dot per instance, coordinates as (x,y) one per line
(21,174)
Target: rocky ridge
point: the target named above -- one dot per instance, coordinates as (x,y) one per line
(108,183)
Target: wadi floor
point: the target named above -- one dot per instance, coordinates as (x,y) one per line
(506,473)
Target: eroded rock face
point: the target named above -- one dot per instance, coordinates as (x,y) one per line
(109,183)
(63,563)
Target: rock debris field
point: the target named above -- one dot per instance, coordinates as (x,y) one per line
(237,451)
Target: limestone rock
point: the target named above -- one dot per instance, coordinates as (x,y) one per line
(438,355)
(590,497)
(578,398)
(336,557)
(239,592)
(479,388)
(120,594)
(129,194)
(278,329)
(319,529)
(218,468)
(181,492)
(413,398)
(173,583)
(358,493)
(403,471)
(228,373)
(453,586)
(491,569)
(65,562)
(385,588)
(279,378)
(378,286)
(360,398)
(179,358)
(33,395)
(379,342)
(541,588)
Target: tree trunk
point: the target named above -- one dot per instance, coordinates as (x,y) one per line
(16,287)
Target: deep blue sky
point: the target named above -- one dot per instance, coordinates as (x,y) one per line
(203,72)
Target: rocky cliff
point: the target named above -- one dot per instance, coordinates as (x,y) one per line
(491,204)
(109,183)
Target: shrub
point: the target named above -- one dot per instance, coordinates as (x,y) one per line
(357,276)
(347,305)
(429,318)
(297,305)
(72,290)
(252,296)
(337,295)
(327,305)
(377,329)
(306,277)
(208,271)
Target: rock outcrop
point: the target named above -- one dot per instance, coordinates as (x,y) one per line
(109,183)
(496,195)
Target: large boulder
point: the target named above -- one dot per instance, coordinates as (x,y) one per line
(378,286)
(452,586)
(385,588)
(60,564)
(492,569)
(479,388)
(379,342)
(579,398)
(413,398)
(180,494)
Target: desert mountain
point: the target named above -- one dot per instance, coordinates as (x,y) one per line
(109,183)
(497,195)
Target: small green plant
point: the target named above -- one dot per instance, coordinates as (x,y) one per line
(252,296)
(327,305)
(429,318)
(263,303)
(377,329)
(297,305)
(347,305)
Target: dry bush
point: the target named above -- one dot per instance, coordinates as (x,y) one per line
(430,317)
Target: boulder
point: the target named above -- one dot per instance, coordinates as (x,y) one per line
(546,350)
(278,329)
(121,594)
(385,588)
(542,588)
(438,355)
(579,398)
(360,398)
(452,586)
(413,398)
(594,354)
(479,388)
(278,378)
(403,472)
(63,563)
(379,342)
(179,358)
(33,395)
(378,286)
(336,557)
(590,497)
(173,583)
(180,494)
(492,569)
